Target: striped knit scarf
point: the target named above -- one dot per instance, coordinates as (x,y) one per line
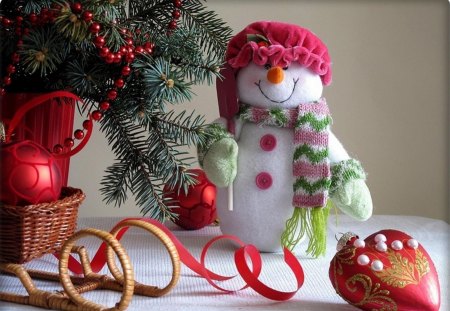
(311,168)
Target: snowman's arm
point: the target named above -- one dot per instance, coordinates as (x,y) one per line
(218,154)
(348,189)
(337,152)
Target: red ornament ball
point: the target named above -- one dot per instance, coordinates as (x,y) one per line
(197,208)
(30,174)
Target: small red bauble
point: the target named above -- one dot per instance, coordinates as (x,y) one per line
(177,3)
(197,208)
(69,143)
(389,270)
(57,149)
(30,174)
(104,51)
(176,14)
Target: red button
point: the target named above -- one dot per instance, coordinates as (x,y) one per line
(268,142)
(263,180)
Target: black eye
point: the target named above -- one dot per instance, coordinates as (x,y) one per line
(267,66)
(286,68)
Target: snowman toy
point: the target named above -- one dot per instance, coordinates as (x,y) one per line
(272,156)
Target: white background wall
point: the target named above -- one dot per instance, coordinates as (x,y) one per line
(388,97)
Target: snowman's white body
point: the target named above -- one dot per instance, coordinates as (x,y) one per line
(260,211)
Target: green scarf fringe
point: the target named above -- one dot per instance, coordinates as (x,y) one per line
(313,222)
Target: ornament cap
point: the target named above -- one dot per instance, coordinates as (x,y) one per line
(344,239)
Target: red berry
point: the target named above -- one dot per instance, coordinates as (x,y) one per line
(129,41)
(173,24)
(129,58)
(15,57)
(2,91)
(176,14)
(123,50)
(76,7)
(6,22)
(18,31)
(87,16)
(117,57)
(57,149)
(103,51)
(87,124)
(139,49)
(11,69)
(97,115)
(104,105)
(19,42)
(109,58)
(78,134)
(177,3)
(112,94)
(94,28)
(26,31)
(68,142)
(7,80)
(33,18)
(99,41)
(19,20)
(126,70)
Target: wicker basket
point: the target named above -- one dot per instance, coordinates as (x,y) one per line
(29,232)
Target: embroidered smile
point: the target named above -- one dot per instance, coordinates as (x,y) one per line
(277,101)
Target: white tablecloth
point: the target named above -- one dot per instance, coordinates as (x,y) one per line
(152,266)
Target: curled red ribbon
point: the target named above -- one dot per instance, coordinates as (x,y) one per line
(249,275)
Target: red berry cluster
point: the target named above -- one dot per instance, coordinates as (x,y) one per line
(125,55)
(175,14)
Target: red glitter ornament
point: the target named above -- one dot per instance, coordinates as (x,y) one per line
(389,270)
(197,208)
(30,174)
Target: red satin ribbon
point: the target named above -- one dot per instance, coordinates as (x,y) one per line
(38,100)
(249,275)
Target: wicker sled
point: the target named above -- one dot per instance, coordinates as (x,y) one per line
(29,232)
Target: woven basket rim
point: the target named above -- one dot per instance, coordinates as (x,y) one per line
(69,196)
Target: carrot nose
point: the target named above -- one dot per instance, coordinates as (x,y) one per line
(275,75)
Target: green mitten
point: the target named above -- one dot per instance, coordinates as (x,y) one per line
(220,162)
(353,198)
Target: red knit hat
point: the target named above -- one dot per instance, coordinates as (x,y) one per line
(279,44)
